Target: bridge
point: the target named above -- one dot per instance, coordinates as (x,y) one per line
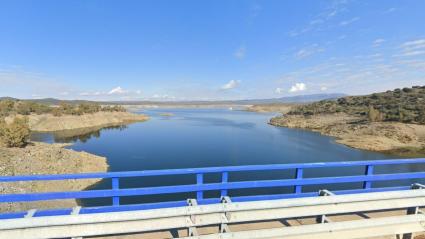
(260,201)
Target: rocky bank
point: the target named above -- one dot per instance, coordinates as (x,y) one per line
(387,137)
(50,123)
(42,158)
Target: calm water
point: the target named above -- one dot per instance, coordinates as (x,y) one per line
(212,137)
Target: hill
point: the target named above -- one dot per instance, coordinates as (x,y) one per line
(405,105)
(289,99)
(389,122)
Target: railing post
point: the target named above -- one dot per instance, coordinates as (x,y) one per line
(324,218)
(369,171)
(412,210)
(224,179)
(199,181)
(298,175)
(115,186)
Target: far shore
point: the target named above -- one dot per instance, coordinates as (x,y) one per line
(50,123)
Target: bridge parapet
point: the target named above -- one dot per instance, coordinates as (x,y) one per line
(366,179)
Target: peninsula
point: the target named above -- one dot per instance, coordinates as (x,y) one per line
(389,122)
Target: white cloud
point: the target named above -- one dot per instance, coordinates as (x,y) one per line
(231,85)
(139,92)
(278,90)
(323,88)
(96,93)
(413,48)
(64,93)
(390,10)
(378,42)
(240,53)
(413,53)
(163,97)
(117,90)
(348,22)
(308,51)
(416,44)
(298,87)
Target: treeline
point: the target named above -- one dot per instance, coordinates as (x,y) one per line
(405,105)
(8,107)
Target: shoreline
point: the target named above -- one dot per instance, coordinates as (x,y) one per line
(49,124)
(406,140)
(44,158)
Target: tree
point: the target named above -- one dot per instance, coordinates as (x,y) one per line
(23,108)
(374,114)
(15,134)
(6,106)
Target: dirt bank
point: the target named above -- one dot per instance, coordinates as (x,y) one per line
(264,108)
(42,158)
(387,137)
(50,123)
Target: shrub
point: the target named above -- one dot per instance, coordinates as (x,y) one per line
(23,108)
(15,134)
(57,112)
(6,107)
(374,114)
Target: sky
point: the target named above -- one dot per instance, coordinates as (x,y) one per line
(208,50)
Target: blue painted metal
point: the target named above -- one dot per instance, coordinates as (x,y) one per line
(115,186)
(199,182)
(200,186)
(224,179)
(369,171)
(298,175)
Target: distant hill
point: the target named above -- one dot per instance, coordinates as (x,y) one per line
(293,99)
(7,98)
(401,105)
(289,99)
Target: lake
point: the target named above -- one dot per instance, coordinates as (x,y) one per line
(212,137)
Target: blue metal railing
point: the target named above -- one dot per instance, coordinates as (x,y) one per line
(200,186)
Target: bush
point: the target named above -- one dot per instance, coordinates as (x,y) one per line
(6,107)
(15,134)
(374,114)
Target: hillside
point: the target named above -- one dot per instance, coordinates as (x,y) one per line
(389,122)
(405,105)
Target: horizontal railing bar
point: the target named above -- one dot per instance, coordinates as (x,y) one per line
(373,227)
(376,201)
(208,170)
(205,187)
(132,207)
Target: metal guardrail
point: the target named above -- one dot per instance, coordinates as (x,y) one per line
(227,212)
(199,186)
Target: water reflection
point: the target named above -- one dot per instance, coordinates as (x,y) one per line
(76,135)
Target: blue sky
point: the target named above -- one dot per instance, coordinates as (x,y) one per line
(208,50)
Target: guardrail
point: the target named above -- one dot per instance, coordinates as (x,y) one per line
(227,214)
(199,186)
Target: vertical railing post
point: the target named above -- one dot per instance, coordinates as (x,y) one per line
(115,186)
(298,175)
(224,179)
(199,181)
(369,171)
